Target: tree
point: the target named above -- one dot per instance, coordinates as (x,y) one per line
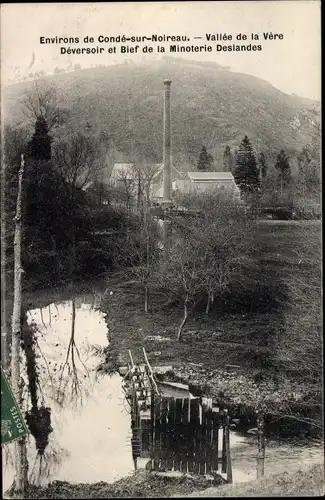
(205,160)
(282,166)
(14,145)
(209,253)
(246,172)
(41,100)
(262,166)
(128,186)
(309,172)
(21,463)
(39,148)
(78,159)
(145,173)
(228,160)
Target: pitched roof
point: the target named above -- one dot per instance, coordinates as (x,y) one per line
(127,168)
(211,176)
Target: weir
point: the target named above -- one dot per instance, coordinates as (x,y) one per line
(174,431)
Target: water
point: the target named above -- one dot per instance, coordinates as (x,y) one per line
(91,438)
(91,431)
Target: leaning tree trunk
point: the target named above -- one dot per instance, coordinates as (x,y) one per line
(185,316)
(20,460)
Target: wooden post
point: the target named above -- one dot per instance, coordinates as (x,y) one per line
(260,444)
(153,430)
(228,455)
(215,440)
(223,451)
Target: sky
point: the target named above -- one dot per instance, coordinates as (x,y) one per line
(292,64)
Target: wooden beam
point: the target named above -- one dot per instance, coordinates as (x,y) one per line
(150,371)
(130,356)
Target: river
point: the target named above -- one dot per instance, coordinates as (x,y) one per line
(91,438)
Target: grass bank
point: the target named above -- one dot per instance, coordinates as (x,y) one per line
(139,485)
(307,483)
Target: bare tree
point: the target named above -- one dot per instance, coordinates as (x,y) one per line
(41,100)
(78,159)
(210,251)
(138,252)
(21,463)
(144,174)
(126,182)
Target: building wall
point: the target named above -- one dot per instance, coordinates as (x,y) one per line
(186,186)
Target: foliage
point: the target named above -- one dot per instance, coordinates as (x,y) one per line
(77,158)
(282,166)
(228,160)
(39,423)
(39,148)
(58,216)
(246,172)
(309,171)
(262,165)
(205,161)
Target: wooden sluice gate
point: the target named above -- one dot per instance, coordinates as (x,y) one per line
(173,430)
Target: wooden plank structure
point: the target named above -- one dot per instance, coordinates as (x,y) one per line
(182,433)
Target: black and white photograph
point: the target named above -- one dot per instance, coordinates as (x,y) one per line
(161,258)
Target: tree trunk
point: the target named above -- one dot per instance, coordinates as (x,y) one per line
(180,330)
(146,298)
(147,236)
(20,459)
(4,326)
(261,445)
(207,309)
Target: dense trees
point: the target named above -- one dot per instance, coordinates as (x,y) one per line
(58,215)
(246,172)
(262,166)
(279,179)
(282,166)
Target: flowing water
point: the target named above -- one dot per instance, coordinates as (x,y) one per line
(91,438)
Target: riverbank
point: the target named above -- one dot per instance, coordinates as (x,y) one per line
(303,483)
(140,485)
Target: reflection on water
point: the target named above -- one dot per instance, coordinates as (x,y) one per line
(91,423)
(91,441)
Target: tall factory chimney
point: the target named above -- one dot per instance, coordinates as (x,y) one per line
(167,192)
